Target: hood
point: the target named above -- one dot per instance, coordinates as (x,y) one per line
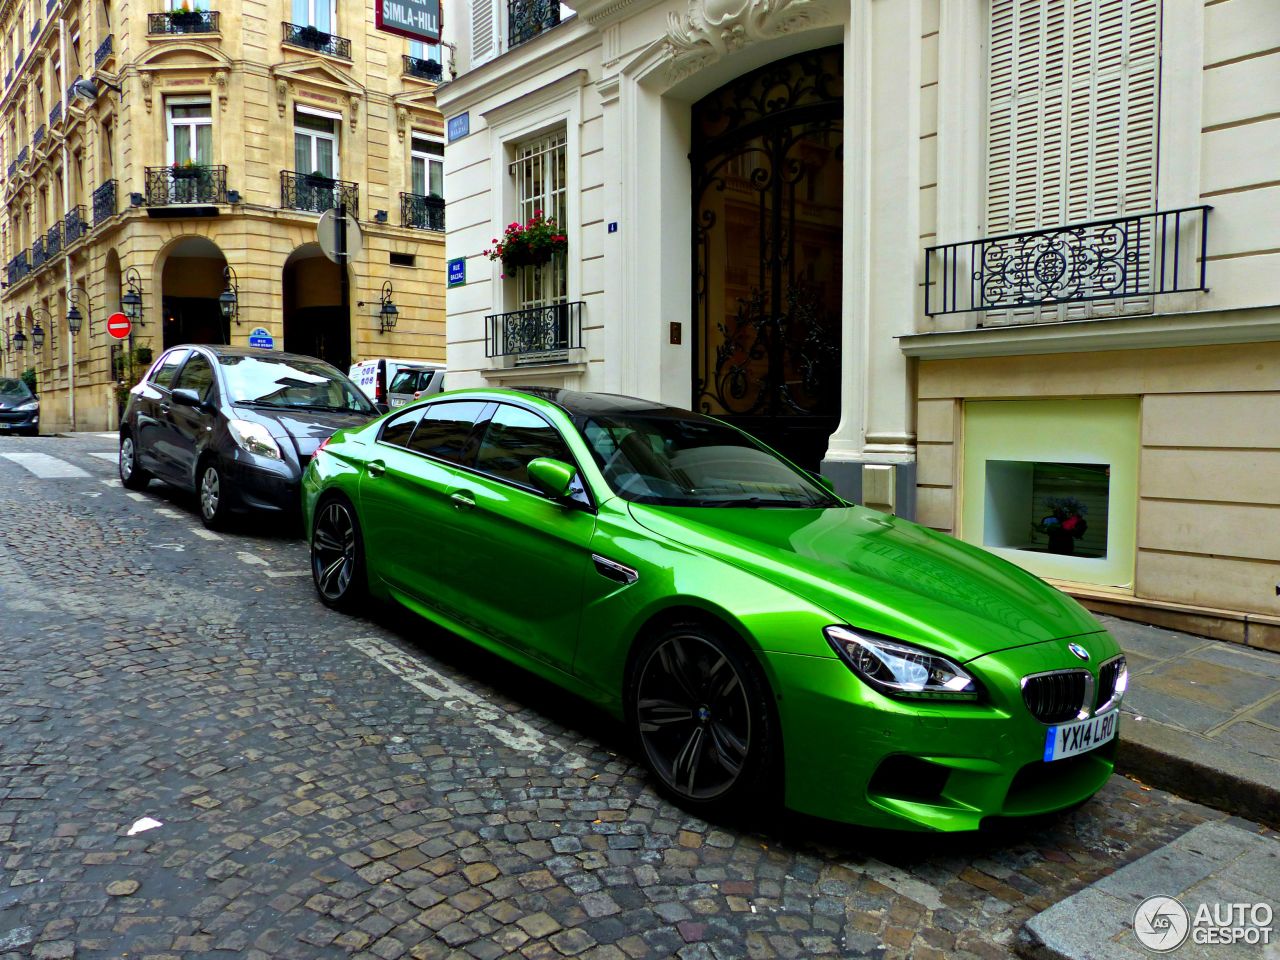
(882,573)
(306,429)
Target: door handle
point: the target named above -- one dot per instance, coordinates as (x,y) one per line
(462,501)
(376,468)
(164,408)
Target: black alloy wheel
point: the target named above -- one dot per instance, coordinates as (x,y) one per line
(337,555)
(131,475)
(700,710)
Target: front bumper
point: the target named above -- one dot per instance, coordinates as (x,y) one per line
(255,483)
(26,422)
(854,755)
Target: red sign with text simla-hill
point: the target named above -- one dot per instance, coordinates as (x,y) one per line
(118,326)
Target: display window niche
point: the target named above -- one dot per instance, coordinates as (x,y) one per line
(1052,486)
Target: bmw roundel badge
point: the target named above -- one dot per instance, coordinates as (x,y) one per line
(1079,651)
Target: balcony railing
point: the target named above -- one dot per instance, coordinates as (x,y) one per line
(38,137)
(75,224)
(53,241)
(104,202)
(183,21)
(22,156)
(71,85)
(17,61)
(55,114)
(8,77)
(535,335)
(200,183)
(105,49)
(1113,259)
(425,69)
(13,169)
(18,267)
(316,194)
(421,213)
(35,30)
(38,254)
(49,5)
(528,18)
(313,39)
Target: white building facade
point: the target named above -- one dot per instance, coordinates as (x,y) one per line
(1007,267)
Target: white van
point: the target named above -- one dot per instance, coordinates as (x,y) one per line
(392,383)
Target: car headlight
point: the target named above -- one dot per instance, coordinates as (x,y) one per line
(254,438)
(29,405)
(899,669)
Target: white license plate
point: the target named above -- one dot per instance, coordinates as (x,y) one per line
(398,401)
(1081,736)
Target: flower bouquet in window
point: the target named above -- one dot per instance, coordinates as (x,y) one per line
(185,18)
(1064,524)
(316,39)
(186,169)
(529,244)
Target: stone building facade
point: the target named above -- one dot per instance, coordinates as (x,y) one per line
(195,163)
(1008,267)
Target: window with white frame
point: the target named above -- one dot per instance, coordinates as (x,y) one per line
(321,14)
(426,165)
(315,142)
(541,174)
(424,51)
(190,131)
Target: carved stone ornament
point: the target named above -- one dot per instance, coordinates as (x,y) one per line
(220,80)
(714,28)
(282,95)
(402,120)
(353,116)
(145,80)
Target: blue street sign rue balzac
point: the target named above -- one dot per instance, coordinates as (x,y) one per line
(459,126)
(458,272)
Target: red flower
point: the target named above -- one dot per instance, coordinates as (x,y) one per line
(1070,523)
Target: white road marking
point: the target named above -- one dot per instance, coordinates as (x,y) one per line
(111,456)
(175,547)
(205,534)
(171,514)
(111,482)
(44,466)
(504,727)
(277,574)
(141,498)
(108,436)
(252,558)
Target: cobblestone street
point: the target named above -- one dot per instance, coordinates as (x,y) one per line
(331,787)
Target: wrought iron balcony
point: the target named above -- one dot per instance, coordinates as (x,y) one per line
(183,21)
(422,213)
(105,49)
(22,156)
(528,18)
(35,30)
(1113,259)
(75,224)
(38,254)
(423,69)
(18,267)
(49,5)
(197,183)
(316,194)
(17,61)
(8,77)
(313,39)
(13,169)
(72,84)
(38,137)
(55,114)
(53,241)
(104,202)
(536,334)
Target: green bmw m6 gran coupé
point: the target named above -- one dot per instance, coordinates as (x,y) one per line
(757,635)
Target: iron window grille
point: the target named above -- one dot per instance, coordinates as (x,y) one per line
(75,224)
(311,38)
(424,69)
(195,183)
(316,194)
(422,213)
(183,21)
(528,18)
(105,49)
(535,335)
(18,267)
(1121,257)
(104,202)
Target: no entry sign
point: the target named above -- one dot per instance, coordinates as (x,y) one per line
(118,326)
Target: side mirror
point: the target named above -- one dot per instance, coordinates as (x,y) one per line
(552,477)
(186,397)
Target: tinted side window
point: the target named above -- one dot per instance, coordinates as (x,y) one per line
(403,382)
(443,430)
(168,366)
(197,375)
(399,429)
(515,436)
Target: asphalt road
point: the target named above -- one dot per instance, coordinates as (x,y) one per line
(332,786)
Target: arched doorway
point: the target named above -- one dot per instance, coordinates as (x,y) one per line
(767,156)
(190,283)
(315,322)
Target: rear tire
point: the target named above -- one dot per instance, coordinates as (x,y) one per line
(701,713)
(131,475)
(337,555)
(213,493)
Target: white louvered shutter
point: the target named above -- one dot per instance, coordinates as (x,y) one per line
(485,41)
(1071,123)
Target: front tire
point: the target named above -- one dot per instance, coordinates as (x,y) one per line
(700,710)
(214,495)
(131,475)
(337,555)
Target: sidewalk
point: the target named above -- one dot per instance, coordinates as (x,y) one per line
(1202,719)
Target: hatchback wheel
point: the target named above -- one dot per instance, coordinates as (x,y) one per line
(213,496)
(337,555)
(700,711)
(131,475)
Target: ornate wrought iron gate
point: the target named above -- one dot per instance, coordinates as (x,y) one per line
(767,215)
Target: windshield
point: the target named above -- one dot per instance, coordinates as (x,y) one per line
(11,389)
(694,462)
(291,383)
